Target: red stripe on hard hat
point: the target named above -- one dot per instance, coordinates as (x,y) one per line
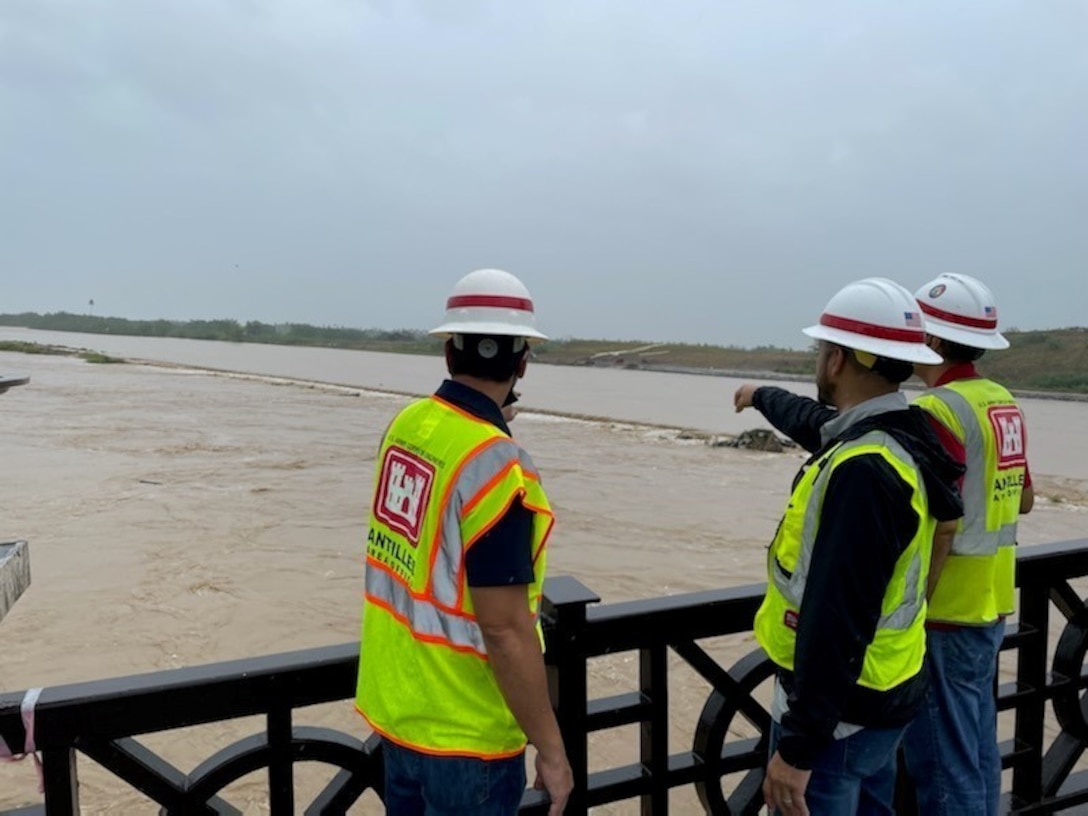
(959,320)
(872,329)
(489,301)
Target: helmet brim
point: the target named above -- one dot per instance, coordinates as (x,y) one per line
(892,349)
(498,329)
(977,339)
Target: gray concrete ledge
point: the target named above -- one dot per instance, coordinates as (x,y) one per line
(14,573)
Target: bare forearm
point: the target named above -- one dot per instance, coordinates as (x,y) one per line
(518,665)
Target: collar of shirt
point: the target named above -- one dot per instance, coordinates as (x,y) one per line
(960,371)
(896,401)
(470,400)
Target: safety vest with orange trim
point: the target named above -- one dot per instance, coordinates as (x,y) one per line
(444,478)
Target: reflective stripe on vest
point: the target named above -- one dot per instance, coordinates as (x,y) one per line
(977,582)
(896,652)
(444,478)
(426,620)
(974,537)
(474,476)
(437,618)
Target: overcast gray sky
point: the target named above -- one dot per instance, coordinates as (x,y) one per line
(707,171)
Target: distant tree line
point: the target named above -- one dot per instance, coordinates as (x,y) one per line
(253,331)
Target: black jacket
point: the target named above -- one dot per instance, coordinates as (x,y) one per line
(866,523)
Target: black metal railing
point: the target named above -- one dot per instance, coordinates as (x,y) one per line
(723,765)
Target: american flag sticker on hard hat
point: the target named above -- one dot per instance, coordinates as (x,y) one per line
(914,319)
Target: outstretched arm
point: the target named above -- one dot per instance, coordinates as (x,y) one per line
(799,418)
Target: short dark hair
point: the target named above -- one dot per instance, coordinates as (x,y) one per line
(489,357)
(959,353)
(894,371)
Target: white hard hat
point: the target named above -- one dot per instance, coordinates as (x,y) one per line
(961,309)
(878,316)
(490,301)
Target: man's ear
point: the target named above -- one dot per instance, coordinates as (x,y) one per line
(522,363)
(838,360)
(449,355)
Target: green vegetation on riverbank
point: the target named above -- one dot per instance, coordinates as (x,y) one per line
(1050,360)
(39,348)
(31,348)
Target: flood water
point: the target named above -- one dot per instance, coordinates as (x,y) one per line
(178,517)
(1058,430)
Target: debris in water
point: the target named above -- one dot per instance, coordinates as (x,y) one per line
(758,439)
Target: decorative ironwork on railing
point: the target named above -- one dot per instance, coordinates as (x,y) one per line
(102,720)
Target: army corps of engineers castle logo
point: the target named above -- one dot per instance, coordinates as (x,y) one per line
(403,492)
(1008,425)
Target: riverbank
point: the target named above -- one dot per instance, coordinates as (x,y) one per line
(728,373)
(1047,361)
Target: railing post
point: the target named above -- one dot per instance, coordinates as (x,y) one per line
(60,781)
(1031,675)
(281,784)
(654,732)
(565,602)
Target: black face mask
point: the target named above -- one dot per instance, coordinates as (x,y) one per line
(511,398)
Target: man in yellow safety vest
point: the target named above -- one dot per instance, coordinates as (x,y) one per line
(951,748)
(451,670)
(844,613)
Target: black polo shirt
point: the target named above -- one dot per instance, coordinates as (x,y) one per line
(504,554)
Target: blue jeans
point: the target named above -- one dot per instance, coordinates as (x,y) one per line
(423,785)
(951,748)
(855,775)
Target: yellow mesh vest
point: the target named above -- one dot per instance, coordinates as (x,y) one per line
(977,583)
(444,477)
(898,647)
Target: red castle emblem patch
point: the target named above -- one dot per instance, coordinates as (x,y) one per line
(404,490)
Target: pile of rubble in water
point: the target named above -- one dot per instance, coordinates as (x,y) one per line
(757,439)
